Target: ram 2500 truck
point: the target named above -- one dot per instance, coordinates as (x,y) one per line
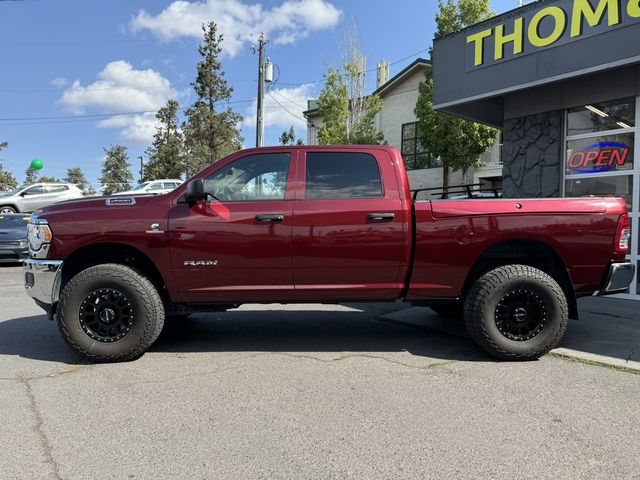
(320,224)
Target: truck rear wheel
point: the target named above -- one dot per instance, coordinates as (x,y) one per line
(110,313)
(516,312)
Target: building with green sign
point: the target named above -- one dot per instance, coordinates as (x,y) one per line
(561,78)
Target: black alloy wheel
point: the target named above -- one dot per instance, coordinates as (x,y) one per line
(516,312)
(106,315)
(521,314)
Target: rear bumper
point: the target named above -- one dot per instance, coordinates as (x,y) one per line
(42,280)
(619,277)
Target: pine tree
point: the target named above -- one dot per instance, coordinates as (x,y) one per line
(289,138)
(458,143)
(31,176)
(7,180)
(76,176)
(165,154)
(210,133)
(116,173)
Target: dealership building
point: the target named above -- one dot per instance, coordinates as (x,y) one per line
(561,78)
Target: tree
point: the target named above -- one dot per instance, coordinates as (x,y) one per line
(31,176)
(46,179)
(457,142)
(76,176)
(165,154)
(7,180)
(347,113)
(210,132)
(116,173)
(289,138)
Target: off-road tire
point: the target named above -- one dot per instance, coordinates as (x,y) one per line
(483,299)
(145,304)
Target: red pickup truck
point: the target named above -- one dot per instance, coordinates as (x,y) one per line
(320,224)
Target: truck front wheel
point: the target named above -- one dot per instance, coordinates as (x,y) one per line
(516,312)
(110,313)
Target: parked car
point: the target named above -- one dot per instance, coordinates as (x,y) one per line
(13,237)
(37,195)
(155,187)
(320,224)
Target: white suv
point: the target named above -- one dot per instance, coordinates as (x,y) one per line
(37,195)
(155,187)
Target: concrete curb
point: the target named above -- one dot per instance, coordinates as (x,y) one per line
(424,317)
(593,357)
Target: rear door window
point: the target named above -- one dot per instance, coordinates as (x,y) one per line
(342,175)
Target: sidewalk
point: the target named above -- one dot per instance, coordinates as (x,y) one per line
(608,330)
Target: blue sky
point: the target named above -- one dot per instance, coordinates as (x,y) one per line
(72,58)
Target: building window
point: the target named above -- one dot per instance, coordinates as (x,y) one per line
(602,159)
(414,154)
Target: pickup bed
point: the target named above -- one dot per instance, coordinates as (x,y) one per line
(320,224)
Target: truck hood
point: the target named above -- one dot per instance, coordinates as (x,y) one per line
(93,203)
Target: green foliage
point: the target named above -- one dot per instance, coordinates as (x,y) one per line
(116,173)
(340,126)
(46,179)
(31,176)
(165,154)
(7,180)
(458,143)
(289,138)
(210,132)
(76,176)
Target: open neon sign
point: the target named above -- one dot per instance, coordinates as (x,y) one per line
(600,157)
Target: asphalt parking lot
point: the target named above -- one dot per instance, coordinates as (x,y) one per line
(305,391)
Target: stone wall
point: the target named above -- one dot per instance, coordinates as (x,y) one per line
(532,155)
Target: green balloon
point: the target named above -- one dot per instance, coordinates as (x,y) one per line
(37,164)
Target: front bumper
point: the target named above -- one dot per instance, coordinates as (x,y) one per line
(618,279)
(42,280)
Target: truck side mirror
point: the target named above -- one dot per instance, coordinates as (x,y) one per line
(195,191)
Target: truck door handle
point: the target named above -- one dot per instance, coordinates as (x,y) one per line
(379,217)
(276,218)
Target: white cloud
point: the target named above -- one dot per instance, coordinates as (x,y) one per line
(121,88)
(239,22)
(292,101)
(135,128)
(59,82)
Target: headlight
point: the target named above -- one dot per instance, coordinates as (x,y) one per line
(38,234)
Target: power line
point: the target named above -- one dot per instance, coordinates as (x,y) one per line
(77,116)
(285,108)
(288,99)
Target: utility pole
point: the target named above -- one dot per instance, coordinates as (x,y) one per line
(141,166)
(260,104)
